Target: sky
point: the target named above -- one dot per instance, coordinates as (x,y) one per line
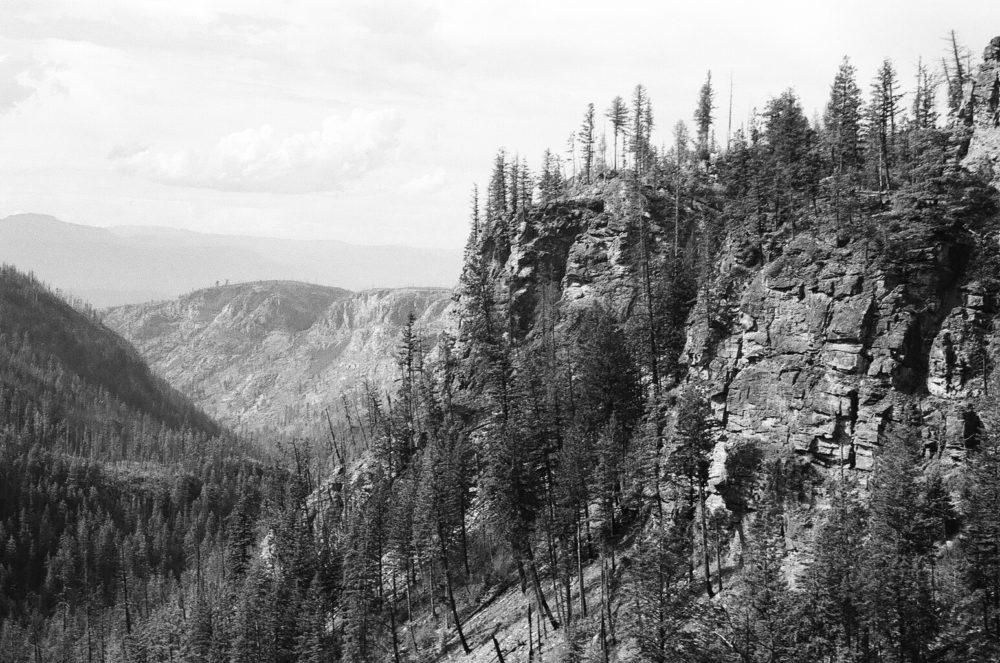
(369,121)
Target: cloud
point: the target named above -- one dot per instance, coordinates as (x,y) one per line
(21,77)
(258,160)
(426,183)
(394,17)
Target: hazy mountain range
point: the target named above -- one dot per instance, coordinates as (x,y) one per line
(130,264)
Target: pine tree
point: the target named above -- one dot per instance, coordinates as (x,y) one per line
(496,196)
(842,121)
(475,220)
(550,184)
(925,99)
(842,137)
(691,459)
(762,614)
(586,138)
(617,114)
(312,644)
(703,121)
(641,126)
(956,75)
(900,606)
(980,544)
(791,165)
(835,580)
(439,514)
(883,112)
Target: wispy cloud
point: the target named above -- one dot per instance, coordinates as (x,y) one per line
(427,183)
(343,150)
(21,77)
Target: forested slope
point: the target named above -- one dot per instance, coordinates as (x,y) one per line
(62,362)
(115,491)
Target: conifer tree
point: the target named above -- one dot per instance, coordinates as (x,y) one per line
(550,184)
(900,606)
(691,459)
(980,544)
(924,99)
(842,136)
(586,137)
(791,165)
(703,120)
(762,617)
(641,125)
(496,196)
(617,114)
(842,120)
(883,112)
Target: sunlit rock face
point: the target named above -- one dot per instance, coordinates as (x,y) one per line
(832,347)
(982,110)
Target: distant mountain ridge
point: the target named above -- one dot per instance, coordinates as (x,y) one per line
(273,355)
(132,264)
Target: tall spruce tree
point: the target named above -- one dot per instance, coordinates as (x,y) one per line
(617,114)
(703,121)
(586,138)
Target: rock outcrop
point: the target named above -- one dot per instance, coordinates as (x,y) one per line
(821,342)
(274,355)
(821,350)
(578,252)
(981,109)
(833,346)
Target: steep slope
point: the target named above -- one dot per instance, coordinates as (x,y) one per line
(274,355)
(58,360)
(833,347)
(112,484)
(123,265)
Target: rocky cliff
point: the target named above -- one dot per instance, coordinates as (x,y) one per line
(833,345)
(817,340)
(981,110)
(274,355)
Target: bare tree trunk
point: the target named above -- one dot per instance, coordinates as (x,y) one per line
(496,647)
(543,606)
(392,620)
(451,593)
(579,568)
(604,632)
(531,640)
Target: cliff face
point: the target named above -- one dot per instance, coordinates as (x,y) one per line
(982,111)
(832,347)
(821,350)
(578,252)
(819,342)
(273,355)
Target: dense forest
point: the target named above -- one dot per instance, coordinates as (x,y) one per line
(543,482)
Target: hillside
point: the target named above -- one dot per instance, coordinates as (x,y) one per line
(69,366)
(275,355)
(99,458)
(128,265)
